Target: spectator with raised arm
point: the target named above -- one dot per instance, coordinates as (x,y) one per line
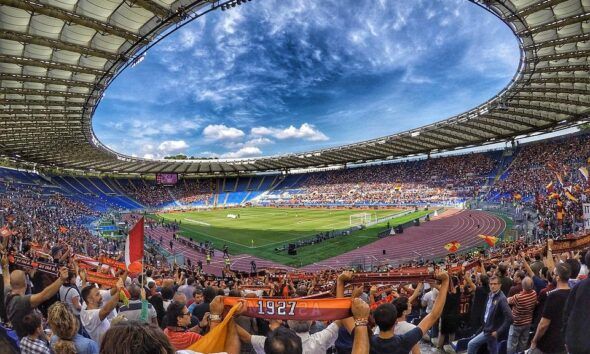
(18,303)
(385,317)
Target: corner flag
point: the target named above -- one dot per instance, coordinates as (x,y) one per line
(134,244)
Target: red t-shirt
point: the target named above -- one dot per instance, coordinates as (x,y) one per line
(180,339)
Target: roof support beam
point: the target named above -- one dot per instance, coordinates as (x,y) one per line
(511,121)
(265,165)
(420,143)
(559,56)
(384,148)
(35,7)
(559,69)
(538,108)
(530,116)
(111,165)
(46,103)
(548,99)
(429,139)
(454,129)
(48,80)
(534,8)
(10,59)
(498,126)
(52,43)
(373,153)
(44,93)
(558,80)
(152,7)
(400,146)
(476,126)
(438,137)
(556,24)
(44,111)
(559,41)
(556,90)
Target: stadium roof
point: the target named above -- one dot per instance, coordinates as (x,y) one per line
(57,57)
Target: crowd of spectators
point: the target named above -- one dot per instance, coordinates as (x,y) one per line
(490,299)
(45,220)
(545,176)
(186,191)
(531,171)
(442,180)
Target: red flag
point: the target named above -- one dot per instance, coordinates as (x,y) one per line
(134,244)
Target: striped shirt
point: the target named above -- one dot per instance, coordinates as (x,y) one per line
(523,305)
(181,339)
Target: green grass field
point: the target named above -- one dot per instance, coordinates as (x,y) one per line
(270,228)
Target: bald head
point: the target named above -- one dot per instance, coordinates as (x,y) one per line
(17,280)
(527,284)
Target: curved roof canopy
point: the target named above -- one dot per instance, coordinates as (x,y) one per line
(58,56)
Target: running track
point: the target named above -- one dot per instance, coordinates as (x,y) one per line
(426,240)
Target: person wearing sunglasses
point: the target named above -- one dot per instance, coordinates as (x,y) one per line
(177,329)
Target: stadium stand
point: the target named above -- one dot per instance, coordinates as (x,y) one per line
(68,289)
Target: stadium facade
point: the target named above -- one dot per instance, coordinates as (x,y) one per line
(57,59)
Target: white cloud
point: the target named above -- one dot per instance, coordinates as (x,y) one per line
(170,146)
(248,151)
(215,132)
(149,156)
(412,78)
(306,132)
(258,142)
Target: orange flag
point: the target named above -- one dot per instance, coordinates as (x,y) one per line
(490,240)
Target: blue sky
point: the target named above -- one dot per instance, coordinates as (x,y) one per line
(274,76)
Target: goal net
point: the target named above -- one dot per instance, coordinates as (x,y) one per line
(360,219)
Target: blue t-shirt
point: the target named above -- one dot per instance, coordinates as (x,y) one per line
(83,344)
(398,344)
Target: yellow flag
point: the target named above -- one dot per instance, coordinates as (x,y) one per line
(214,341)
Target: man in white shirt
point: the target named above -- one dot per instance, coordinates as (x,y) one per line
(95,316)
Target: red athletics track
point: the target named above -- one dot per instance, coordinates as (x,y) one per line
(427,240)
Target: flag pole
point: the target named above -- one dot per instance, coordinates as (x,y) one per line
(142,257)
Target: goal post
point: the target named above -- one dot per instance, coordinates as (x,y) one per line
(359,219)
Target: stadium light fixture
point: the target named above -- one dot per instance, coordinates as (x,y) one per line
(414,134)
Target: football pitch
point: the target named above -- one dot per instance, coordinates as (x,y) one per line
(260,231)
